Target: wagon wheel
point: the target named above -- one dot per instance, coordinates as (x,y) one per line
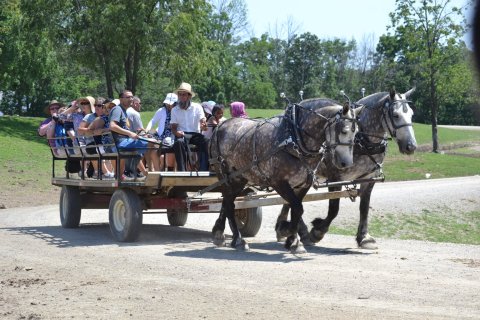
(125,215)
(248,221)
(70,209)
(177,217)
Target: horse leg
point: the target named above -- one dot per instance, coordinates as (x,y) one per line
(290,229)
(364,240)
(219,227)
(320,226)
(228,212)
(283,216)
(302,227)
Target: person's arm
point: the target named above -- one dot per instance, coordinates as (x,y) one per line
(42,130)
(154,121)
(117,129)
(83,128)
(97,127)
(73,108)
(203,124)
(176,132)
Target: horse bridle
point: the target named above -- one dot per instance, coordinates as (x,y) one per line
(326,146)
(388,111)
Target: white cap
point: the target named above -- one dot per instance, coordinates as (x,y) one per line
(171,98)
(208,106)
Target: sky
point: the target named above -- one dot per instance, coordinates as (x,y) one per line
(344,19)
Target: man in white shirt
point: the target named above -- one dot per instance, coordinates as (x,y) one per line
(188,120)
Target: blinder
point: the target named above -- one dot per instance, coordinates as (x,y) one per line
(339,128)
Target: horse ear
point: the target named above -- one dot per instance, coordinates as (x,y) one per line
(358,110)
(346,108)
(392,93)
(409,92)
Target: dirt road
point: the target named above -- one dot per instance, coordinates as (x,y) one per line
(47,272)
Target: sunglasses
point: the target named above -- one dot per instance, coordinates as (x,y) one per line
(54,108)
(85,103)
(98,105)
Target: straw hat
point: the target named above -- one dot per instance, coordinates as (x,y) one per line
(53,102)
(185,87)
(90,100)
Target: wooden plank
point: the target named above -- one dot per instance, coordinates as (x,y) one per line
(277,200)
(214,204)
(84,183)
(183,179)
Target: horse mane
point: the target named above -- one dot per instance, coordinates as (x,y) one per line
(318,103)
(373,100)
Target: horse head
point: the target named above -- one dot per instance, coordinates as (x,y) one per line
(340,132)
(389,112)
(397,115)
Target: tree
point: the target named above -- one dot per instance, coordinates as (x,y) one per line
(425,31)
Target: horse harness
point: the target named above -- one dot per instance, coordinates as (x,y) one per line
(293,144)
(368,148)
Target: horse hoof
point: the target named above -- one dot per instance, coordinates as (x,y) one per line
(240,244)
(307,242)
(298,249)
(316,236)
(219,239)
(294,245)
(283,229)
(368,243)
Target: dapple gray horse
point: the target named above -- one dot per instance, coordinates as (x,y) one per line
(282,153)
(383,114)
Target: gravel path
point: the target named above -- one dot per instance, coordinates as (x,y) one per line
(47,272)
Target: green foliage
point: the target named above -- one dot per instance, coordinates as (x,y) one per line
(66,49)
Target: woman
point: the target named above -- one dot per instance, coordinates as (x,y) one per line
(238,110)
(164,132)
(75,114)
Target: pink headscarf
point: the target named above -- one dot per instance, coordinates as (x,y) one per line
(238,110)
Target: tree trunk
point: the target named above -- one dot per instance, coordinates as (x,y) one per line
(108,73)
(434,109)
(136,66)
(128,70)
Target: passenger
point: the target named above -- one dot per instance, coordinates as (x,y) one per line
(188,120)
(47,127)
(238,110)
(161,119)
(126,139)
(133,115)
(75,114)
(216,118)
(207,108)
(93,141)
(99,127)
(136,125)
